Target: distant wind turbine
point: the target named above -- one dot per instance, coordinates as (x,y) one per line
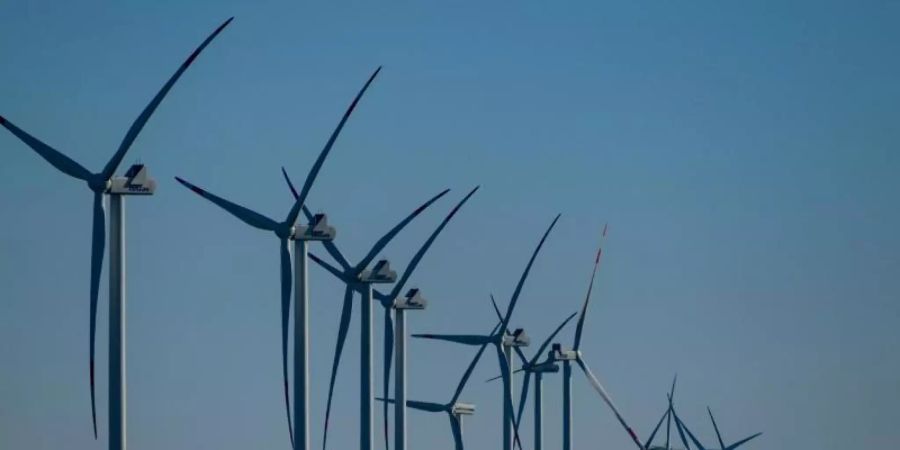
(568,356)
(454,409)
(502,344)
(135,182)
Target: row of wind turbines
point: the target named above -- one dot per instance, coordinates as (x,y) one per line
(359,278)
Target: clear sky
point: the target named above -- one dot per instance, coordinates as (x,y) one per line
(744,154)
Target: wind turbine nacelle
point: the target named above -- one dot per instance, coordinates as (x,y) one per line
(517,339)
(463,409)
(381,273)
(560,354)
(136,181)
(413,300)
(318,230)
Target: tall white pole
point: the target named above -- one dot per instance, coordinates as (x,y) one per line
(538,411)
(301,347)
(117,393)
(507,412)
(399,378)
(365,364)
(567,405)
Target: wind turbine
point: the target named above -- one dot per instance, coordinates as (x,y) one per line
(135,182)
(533,366)
(682,428)
(454,409)
(357,278)
(412,301)
(667,416)
(568,356)
(285,231)
(502,343)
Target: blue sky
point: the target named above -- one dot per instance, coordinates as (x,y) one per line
(744,154)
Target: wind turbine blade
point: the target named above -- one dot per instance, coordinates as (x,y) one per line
(317,166)
(465,339)
(246,215)
(426,406)
(331,269)
(587,298)
(655,429)
(496,308)
(668,426)
(716,427)
(681,432)
(286,280)
(98,242)
(291,187)
(550,338)
(523,397)
(681,425)
(515,296)
(742,442)
(421,252)
(522,359)
(381,243)
(346,313)
(388,354)
(669,412)
(457,432)
(62,162)
(507,398)
(467,374)
(142,119)
(605,396)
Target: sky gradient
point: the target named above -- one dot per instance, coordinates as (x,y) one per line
(743,153)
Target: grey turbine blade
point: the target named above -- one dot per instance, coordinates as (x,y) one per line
(425,406)
(602,391)
(587,299)
(653,434)
(317,166)
(716,427)
(98,242)
(467,374)
(62,162)
(465,339)
(742,441)
(286,280)
(457,432)
(346,313)
(550,338)
(424,248)
(681,432)
(331,269)
(515,296)
(384,240)
(246,215)
(523,397)
(142,119)
(681,426)
(507,398)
